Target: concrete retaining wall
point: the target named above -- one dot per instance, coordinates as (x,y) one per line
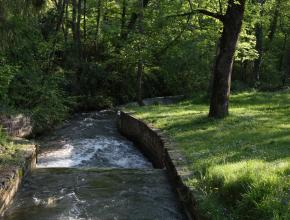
(11,176)
(163,154)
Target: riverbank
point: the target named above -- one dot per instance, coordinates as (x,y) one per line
(17,158)
(241,164)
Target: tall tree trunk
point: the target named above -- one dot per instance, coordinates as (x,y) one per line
(74,18)
(66,23)
(273,25)
(139,83)
(140,60)
(285,75)
(78,37)
(259,48)
(287,68)
(123,17)
(122,26)
(85,20)
(259,45)
(60,10)
(232,23)
(132,22)
(2,14)
(99,11)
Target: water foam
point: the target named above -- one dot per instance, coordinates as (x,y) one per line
(115,153)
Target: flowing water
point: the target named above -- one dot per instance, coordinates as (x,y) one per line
(87,170)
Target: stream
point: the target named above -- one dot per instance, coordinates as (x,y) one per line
(87,171)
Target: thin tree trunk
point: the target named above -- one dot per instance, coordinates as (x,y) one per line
(244,71)
(140,60)
(232,23)
(99,11)
(287,70)
(285,75)
(123,17)
(2,14)
(259,46)
(132,22)
(66,23)
(85,20)
(60,8)
(139,83)
(122,26)
(74,18)
(120,40)
(273,25)
(78,39)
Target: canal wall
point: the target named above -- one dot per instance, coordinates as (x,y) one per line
(164,154)
(11,176)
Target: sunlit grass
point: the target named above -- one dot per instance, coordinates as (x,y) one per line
(12,151)
(241,163)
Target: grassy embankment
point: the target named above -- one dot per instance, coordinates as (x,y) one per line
(12,152)
(241,163)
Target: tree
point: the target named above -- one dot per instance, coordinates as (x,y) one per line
(221,82)
(140,59)
(232,23)
(274,21)
(74,18)
(259,43)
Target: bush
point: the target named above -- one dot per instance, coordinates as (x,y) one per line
(41,96)
(7,73)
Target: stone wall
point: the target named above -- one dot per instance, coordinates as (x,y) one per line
(11,176)
(16,125)
(163,154)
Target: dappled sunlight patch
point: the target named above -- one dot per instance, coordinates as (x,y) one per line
(241,163)
(12,152)
(252,187)
(253,168)
(284,126)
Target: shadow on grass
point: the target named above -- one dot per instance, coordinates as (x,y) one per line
(241,163)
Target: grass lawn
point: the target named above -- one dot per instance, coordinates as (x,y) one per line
(241,163)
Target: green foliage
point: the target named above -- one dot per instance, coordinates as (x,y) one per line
(43,97)
(6,75)
(13,151)
(24,59)
(178,52)
(52,106)
(246,48)
(48,69)
(3,137)
(241,164)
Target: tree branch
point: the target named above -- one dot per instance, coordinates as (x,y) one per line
(166,47)
(211,14)
(202,11)
(221,8)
